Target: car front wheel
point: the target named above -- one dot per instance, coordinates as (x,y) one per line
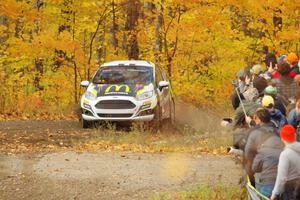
(155,124)
(85,124)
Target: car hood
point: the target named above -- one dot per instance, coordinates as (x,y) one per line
(101,90)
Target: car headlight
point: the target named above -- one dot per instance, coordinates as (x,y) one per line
(144,95)
(90,96)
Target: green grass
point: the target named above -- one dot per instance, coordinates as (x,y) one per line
(205,192)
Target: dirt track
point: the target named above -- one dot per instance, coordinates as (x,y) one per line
(108,175)
(103,175)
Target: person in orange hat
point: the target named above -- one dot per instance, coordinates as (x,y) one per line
(293,60)
(287,185)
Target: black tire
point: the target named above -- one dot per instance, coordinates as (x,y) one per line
(155,124)
(169,123)
(85,124)
(172,117)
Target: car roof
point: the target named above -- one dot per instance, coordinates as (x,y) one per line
(129,62)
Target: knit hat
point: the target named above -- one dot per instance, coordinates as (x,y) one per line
(267,101)
(281,58)
(270,90)
(288,133)
(256,69)
(292,58)
(241,73)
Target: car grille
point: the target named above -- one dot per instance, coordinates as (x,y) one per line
(115,104)
(115,115)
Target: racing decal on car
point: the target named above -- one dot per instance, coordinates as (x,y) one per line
(121,90)
(117,89)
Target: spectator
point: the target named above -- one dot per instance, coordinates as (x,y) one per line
(258,81)
(276,116)
(270,60)
(276,74)
(260,154)
(240,88)
(287,186)
(280,104)
(271,64)
(256,70)
(293,59)
(287,87)
(255,84)
(294,118)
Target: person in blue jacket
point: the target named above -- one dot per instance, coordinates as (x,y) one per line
(276,116)
(294,118)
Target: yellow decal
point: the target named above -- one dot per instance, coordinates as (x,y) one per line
(147,102)
(94,92)
(118,88)
(140,92)
(85,101)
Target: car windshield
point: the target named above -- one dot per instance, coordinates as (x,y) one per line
(124,75)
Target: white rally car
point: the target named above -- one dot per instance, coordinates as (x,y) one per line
(127,91)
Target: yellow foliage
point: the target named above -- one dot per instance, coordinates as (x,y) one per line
(202,43)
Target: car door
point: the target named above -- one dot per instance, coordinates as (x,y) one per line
(163,94)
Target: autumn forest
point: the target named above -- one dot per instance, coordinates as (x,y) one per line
(47,47)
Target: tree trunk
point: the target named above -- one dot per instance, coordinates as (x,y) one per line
(4,22)
(158,33)
(39,65)
(114,28)
(132,47)
(75,83)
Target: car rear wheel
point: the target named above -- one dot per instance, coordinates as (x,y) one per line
(172,113)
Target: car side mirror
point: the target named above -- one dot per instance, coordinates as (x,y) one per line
(85,83)
(163,84)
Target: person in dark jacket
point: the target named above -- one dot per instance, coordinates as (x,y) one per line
(259,143)
(276,116)
(287,186)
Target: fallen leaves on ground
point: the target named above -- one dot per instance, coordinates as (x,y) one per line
(149,148)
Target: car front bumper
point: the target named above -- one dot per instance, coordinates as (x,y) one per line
(143,110)
(138,118)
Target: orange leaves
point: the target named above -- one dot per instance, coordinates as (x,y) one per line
(158,144)
(10,8)
(18,9)
(31,103)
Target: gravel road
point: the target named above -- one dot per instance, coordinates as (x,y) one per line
(67,174)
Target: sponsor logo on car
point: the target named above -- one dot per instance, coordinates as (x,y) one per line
(117,89)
